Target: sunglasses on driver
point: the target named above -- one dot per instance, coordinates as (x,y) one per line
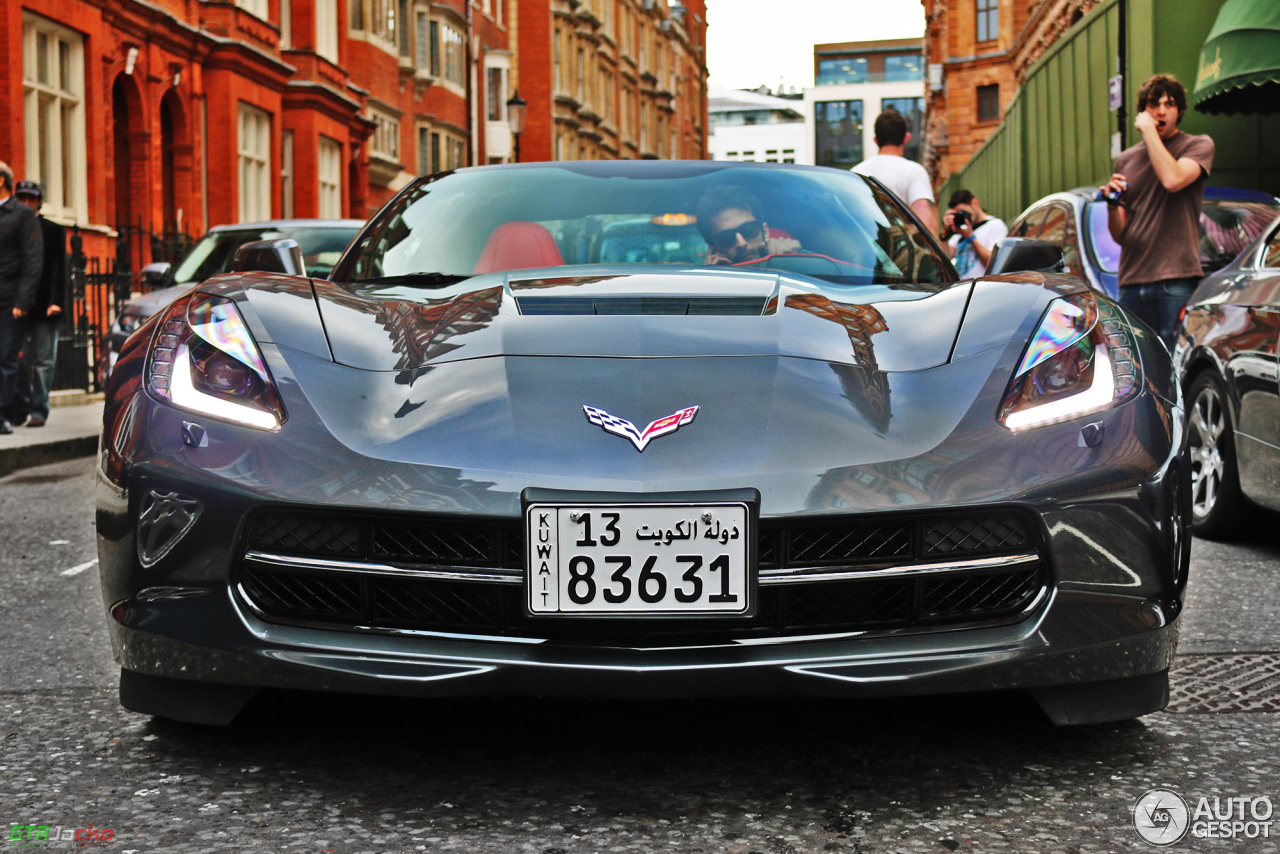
(727,239)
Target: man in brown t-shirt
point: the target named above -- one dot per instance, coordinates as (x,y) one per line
(1157,221)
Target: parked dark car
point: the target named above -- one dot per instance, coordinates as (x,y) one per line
(321,242)
(1226,356)
(526,440)
(1230,219)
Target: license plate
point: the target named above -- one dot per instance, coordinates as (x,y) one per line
(638,559)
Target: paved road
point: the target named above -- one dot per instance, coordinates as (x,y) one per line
(307,774)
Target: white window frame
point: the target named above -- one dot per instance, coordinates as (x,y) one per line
(56,146)
(326,12)
(329,176)
(254,7)
(253,148)
(497,132)
(286,174)
(385,142)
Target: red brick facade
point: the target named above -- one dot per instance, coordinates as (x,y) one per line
(960,65)
(158,115)
(612,79)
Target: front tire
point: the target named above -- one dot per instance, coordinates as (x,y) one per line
(1217,505)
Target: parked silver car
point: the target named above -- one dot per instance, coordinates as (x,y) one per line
(321,242)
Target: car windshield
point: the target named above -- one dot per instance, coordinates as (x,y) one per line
(321,248)
(1103,248)
(822,223)
(1227,226)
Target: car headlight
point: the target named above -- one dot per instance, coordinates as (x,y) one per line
(1081,359)
(204,360)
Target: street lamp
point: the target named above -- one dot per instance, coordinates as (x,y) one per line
(515,116)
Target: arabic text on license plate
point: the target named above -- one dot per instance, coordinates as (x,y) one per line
(677,559)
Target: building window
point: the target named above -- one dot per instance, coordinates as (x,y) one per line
(900,67)
(286,174)
(988,12)
(424,151)
(838,133)
(832,72)
(327,29)
(330,163)
(255,161)
(402,27)
(557,81)
(989,103)
(381,19)
(286,24)
(256,7)
(911,109)
(423,33)
(451,54)
(53,107)
(385,143)
(496,94)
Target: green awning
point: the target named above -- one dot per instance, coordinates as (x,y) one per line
(1240,60)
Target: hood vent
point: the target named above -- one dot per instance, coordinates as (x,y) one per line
(633,305)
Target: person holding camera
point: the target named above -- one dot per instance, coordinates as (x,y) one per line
(1153,208)
(971,234)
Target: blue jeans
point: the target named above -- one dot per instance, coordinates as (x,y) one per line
(1158,304)
(38,358)
(10,347)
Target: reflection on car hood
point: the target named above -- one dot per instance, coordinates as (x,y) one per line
(693,312)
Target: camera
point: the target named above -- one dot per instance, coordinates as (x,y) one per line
(959,218)
(1111,197)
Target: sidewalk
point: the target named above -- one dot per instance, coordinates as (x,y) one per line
(72,432)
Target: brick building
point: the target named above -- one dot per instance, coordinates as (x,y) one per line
(612,79)
(176,115)
(978,53)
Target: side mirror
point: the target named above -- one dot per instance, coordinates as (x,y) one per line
(1023,254)
(281,255)
(156,276)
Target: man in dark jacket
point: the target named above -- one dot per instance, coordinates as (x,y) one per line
(21,257)
(41,350)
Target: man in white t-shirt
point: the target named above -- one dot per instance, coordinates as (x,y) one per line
(906,178)
(971,234)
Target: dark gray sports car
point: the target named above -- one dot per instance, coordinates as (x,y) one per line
(645,429)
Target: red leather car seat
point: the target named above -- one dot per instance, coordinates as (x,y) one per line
(517,246)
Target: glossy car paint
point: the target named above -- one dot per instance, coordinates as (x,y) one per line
(1231,328)
(833,403)
(1083,257)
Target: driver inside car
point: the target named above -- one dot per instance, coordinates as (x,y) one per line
(732,222)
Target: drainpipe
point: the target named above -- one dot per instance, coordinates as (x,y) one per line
(473,142)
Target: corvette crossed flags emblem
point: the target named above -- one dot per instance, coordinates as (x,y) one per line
(622,427)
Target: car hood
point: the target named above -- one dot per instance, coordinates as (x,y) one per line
(690,313)
(695,312)
(483,380)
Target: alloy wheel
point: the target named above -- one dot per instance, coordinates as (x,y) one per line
(1208,426)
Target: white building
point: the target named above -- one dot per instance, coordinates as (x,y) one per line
(855,82)
(749,125)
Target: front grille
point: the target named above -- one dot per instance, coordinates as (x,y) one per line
(806,605)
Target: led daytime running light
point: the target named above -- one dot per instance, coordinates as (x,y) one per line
(1081,360)
(192,329)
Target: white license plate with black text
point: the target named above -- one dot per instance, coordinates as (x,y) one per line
(638,559)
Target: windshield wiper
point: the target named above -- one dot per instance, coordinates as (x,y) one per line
(418,280)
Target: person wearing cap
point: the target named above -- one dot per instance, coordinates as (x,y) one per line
(46,312)
(21,258)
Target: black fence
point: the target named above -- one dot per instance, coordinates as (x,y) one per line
(99,289)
